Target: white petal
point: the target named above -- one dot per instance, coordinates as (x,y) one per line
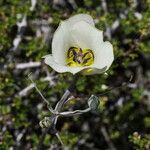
(61,38)
(49,60)
(60,43)
(105,55)
(80,17)
(85,36)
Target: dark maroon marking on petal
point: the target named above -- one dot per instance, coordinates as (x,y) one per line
(74,52)
(70,49)
(80,51)
(78,61)
(68,54)
(91,52)
(85,55)
(69,63)
(85,61)
(75,55)
(74,59)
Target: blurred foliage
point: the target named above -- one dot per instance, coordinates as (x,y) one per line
(124,112)
(140,143)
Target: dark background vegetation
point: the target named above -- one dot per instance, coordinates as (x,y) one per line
(123,119)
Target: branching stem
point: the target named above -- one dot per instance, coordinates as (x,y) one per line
(46,101)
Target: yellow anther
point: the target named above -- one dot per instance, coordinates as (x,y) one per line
(77,57)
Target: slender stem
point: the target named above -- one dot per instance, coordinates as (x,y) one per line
(67,93)
(69,99)
(64,98)
(72,113)
(58,107)
(58,136)
(46,101)
(60,103)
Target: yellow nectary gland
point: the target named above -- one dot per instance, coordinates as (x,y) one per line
(77,57)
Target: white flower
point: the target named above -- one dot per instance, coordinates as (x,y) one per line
(78,46)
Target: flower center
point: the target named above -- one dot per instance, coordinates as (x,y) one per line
(77,57)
